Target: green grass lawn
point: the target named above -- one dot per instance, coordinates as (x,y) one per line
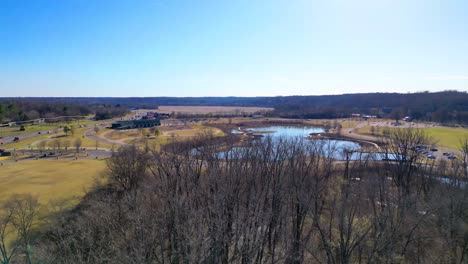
(50,180)
(79,133)
(443,136)
(58,184)
(378,131)
(27,143)
(447,136)
(86,142)
(32,128)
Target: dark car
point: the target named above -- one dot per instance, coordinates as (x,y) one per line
(16,139)
(2,150)
(434,149)
(451,157)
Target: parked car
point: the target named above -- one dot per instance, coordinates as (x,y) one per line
(2,150)
(16,139)
(451,157)
(434,149)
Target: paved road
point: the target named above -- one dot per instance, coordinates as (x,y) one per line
(5,141)
(350,132)
(90,134)
(36,154)
(9,139)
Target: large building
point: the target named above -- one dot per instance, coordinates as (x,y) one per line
(140,123)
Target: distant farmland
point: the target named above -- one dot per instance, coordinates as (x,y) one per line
(212,109)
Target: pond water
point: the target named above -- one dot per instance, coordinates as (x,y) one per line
(287,131)
(237,132)
(454,182)
(374,156)
(332,147)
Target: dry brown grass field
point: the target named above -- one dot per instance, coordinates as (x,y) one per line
(210,109)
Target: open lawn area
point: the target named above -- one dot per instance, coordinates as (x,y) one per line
(85,141)
(135,136)
(32,128)
(30,142)
(443,136)
(447,136)
(33,142)
(345,123)
(50,180)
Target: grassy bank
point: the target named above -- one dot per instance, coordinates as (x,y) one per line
(51,180)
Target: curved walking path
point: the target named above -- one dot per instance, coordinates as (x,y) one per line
(99,138)
(349,132)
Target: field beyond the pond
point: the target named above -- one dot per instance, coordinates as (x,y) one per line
(211,109)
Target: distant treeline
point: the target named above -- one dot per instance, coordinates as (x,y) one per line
(24,109)
(444,107)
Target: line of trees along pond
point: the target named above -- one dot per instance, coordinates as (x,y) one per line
(271,201)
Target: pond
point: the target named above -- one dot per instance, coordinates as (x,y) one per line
(332,147)
(375,156)
(237,132)
(287,131)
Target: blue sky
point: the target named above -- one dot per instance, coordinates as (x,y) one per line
(231,47)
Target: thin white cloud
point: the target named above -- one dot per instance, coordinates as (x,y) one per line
(448,78)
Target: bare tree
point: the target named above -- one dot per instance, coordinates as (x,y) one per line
(7,232)
(19,215)
(213,200)
(77,145)
(42,145)
(127,168)
(464,150)
(72,130)
(55,145)
(96,130)
(66,145)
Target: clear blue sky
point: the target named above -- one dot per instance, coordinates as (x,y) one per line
(231,47)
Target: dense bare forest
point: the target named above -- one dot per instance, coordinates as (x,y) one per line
(449,107)
(23,109)
(268,201)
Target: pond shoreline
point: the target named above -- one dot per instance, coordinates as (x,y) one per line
(364,143)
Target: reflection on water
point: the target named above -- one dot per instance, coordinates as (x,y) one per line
(237,132)
(453,181)
(332,148)
(288,131)
(375,156)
